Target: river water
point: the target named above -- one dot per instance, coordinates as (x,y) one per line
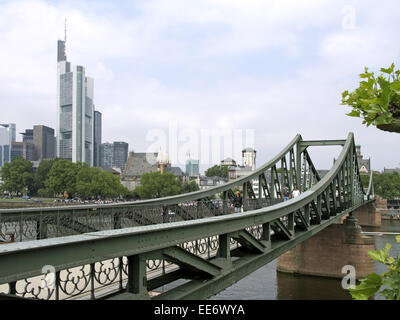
(268,284)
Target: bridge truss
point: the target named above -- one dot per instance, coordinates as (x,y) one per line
(188,246)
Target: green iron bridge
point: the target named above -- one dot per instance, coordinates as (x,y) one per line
(191,243)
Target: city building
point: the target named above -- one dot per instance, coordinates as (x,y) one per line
(97,138)
(248,166)
(138,163)
(120,154)
(18,149)
(27,136)
(43,140)
(28,152)
(363,164)
(106,155)
(7,137)
(192,167)
(208,182)
(75,110)
(390,171)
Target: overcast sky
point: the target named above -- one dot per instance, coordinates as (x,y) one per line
(273,68)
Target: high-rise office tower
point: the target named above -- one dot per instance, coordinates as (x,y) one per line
(43,139)
(7,137)
(28,148)
(192,167)
(75,110)
(120,154)
(106,155)
(97,138)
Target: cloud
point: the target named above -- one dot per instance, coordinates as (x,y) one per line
(276,67)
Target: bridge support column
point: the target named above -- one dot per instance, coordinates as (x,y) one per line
(368,216)
(41,229)
(326,253)
(223,258)
(136,288)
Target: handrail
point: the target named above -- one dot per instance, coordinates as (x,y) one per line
(261,215)
(195,195)
(154,241)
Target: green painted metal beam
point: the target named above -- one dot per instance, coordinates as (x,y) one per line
(247,240)
(242,267)
(190,261)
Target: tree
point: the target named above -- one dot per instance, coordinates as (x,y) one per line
(373,282)
(189,186)
(62,177)
(18,176)
(377,99)
(157,185)
(94,183)
(41,175)
(217,171)
(386,185)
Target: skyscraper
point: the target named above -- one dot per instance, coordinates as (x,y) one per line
(7,137)
(97,138)
(192,167)
(28,148)
(106,155)
(75,110)
(43,139)
(120,154)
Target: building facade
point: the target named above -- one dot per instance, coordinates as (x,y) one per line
(43,140)
(192,167)
(248,166)
(97,138)
(364,164)
(75,111)
(106,155)
(7,137)
(120,154)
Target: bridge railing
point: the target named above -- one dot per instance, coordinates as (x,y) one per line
(292,167)
(25,226)
(137,260)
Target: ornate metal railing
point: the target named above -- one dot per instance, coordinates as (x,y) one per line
(213,251)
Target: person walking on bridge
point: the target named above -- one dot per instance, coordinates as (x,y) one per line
(238,202)
(286,193)
(295,192)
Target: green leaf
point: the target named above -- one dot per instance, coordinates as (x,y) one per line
(354,113)
(380,255)
(398,239)
(388,70)
(367,288)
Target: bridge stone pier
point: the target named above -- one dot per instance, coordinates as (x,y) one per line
(327,252)
(368,216)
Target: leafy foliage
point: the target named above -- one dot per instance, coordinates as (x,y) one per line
(377,99)
(189,186)
(57,176)
(18,176)
(386,185)
(217,171)
(157,184)
(372,283)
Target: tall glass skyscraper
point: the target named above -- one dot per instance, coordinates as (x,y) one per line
(97,138)
(120,154)
(7,137)
(75,111)
(192,167)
